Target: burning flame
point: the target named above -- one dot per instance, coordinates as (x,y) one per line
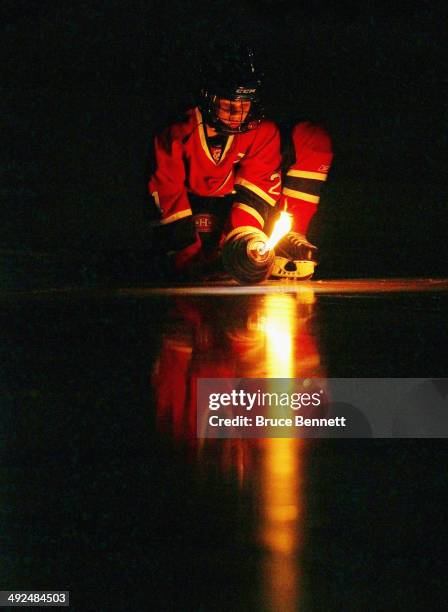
(282,227)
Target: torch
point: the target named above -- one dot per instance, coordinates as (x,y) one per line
(248,254)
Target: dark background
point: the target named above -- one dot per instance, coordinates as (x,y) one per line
(94,497)
(87,82)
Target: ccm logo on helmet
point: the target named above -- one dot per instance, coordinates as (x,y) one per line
(244,90)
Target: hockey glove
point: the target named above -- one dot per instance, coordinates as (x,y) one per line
(243,255)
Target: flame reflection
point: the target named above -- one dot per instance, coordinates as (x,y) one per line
(268,336)
(281,497)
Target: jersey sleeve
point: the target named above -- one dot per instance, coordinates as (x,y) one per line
(171,210)
(303,181)
(257,179)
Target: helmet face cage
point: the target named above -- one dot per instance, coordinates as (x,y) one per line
(210,107)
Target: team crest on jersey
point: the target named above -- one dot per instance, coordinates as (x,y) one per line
(324,168)
(216,153)
(204,222)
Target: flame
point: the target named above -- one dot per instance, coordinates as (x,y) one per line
(282,227)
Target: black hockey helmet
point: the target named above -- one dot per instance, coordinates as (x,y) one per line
(231,75)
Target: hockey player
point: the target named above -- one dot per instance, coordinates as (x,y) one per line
(216,170)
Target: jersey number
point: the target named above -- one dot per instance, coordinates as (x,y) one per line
(275,189)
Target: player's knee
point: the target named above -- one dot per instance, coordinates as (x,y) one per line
(311,136)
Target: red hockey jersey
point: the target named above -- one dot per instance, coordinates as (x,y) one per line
(248,167)
(304,179)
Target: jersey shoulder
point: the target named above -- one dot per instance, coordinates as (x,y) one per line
(185,124)
(177,132)
(268,127)
(266,132)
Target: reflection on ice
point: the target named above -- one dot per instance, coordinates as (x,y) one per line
(270,336)
(261,336)
(281,470)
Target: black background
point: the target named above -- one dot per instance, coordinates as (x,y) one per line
(96,500)
(87,82)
